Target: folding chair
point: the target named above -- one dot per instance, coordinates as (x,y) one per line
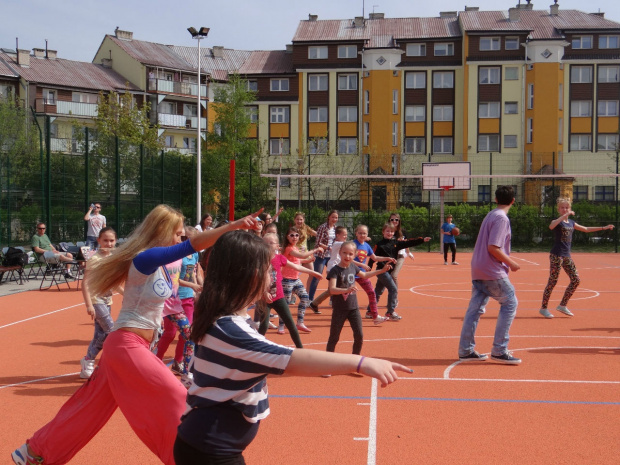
(15,272)
(53,267)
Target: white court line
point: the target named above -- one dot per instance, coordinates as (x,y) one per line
(44,314)
(38,380)
(499,380)
(524,260)
(446,373)
(372,425)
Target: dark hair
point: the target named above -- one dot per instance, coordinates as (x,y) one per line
(288,231)
(237,270)
(107,229)
(398,231)
(204,217)
(339,229)
(504,195)
(331,212)
(273,226)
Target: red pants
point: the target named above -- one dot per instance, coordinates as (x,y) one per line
(130,377)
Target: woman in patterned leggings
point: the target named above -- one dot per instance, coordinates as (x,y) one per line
(559,257)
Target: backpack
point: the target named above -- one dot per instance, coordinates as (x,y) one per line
(15,257)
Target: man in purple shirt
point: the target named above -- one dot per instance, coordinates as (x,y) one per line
(490,264)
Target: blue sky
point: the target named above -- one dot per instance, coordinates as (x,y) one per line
(75,28)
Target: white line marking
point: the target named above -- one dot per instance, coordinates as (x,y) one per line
(38,380)
(499,380)
(44,314)
(372,425)
(526,261)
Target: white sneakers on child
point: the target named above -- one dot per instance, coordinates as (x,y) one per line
(87,368)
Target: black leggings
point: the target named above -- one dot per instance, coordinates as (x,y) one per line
(281,308)
(184,454)
(452,247)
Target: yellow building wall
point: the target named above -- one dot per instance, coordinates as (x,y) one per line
(253,131)
(279,130)
(466,99)
(414,129)
(381,84)
(488,125)
(122,63)
(581,125)
(442,128)
(317,130)
(607,125)
(347,129)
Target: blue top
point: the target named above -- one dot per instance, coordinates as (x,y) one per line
(188,270)
(563,238)
(448,238)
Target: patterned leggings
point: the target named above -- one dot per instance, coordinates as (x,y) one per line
(569,266)
(172,323)
(290,286)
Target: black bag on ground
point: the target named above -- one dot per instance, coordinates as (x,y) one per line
(15,257)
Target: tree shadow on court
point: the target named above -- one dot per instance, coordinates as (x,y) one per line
(577,351)
(35,386)
(604,330)
(66,343)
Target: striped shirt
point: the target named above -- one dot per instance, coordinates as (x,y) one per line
(230,365)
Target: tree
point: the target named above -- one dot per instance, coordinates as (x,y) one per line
(229,141)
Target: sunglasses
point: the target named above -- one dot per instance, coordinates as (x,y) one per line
(394,220)
(40,228)
(293,235)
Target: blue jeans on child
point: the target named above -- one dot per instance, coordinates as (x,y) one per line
(319,264)
(385,281)
(501,290)
(103,325)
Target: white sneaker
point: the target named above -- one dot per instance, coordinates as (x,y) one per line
(187,380)
(455,263)
(88,366)
(445,263)
(380,319)
(22,457)
(545,312)
(564,310)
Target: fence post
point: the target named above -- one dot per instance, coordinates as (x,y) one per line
(616,234)
(142,186)
(491,196)
(34,118)
(86,176)
(8,199)
(48,184)
(118,187)
(163,181)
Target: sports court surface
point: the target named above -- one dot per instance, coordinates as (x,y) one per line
(561,405)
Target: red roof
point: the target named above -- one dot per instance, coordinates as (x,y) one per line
(218,67)
(268,62)
(151,53)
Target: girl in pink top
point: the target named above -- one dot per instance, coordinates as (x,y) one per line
(290,277)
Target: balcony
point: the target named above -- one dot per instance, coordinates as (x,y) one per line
(174,87)
(194,122)
(77,108)
(64,145)
(166,119)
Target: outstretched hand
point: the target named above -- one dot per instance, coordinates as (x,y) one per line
(249,222)
(383,370)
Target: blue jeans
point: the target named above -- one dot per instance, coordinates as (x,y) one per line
(501,290)
(91,241)
(385,281)
(103,325)
(319,264)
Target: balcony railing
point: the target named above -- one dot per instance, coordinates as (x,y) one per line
(76,108)
(166,119)
(67,145)
(175,87)
(194,123)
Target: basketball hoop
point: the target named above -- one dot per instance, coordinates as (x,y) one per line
(446,188)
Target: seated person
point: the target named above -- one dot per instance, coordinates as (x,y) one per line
(41,243)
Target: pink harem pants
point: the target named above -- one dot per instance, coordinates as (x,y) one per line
(131,377)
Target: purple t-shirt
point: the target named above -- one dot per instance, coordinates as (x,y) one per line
(495,230)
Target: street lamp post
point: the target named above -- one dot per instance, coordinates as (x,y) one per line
(198,34)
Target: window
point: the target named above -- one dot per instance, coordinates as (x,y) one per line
(279,115)
(366,133)
(394,102)
(489,43)
(511,73)
(317,53)
(488,143)
(366,102)
(581,74)
(81,97)
(442,144)
(415,80)
(604,193)
(580,193)
(608,73)
(510,142)
(413,193)
(347,145)
(489,76)
(190,110)
(284,182)
(415,145)
(560,131)
(580,142)
(444,49)
(530,130)
(394,134)
(346,82)
(217,129)
(581,42)
(279,85)
(511,108)
(530,96)
(6,91)
(49,97)
(560,96)
(252,113)
(347,51)
(252,86)
(347,114)
(416,50)
(580,108)
(189,143)
(608,42)
(415,113)
(512,43)
(607,142)
(443,80)
(169,141)
(167,108)
(442,113)
(488,110)
(54,131)
(484,193)
(317,114)
(279,146)
(317,145)
(317,82)
(608,107)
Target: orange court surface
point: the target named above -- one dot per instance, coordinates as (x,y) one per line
(560,406)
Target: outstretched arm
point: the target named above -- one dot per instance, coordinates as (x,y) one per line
(590,229)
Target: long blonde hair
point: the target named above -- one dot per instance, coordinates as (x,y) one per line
(156,230)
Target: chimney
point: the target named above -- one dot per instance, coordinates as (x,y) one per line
(52,54)
(313,17)
(376,16)
(39,52)
(600,14)
(447,14)
(218,51)
(123,35)
(289,48)
(554,9)
(514,14)
(472,8)
(529,5)
(358,21)
(23,58)
(106,62)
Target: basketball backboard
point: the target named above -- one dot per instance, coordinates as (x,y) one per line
(449,175)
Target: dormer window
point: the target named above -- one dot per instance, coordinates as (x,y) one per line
(581,42)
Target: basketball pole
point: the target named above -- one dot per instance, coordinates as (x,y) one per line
(231,197)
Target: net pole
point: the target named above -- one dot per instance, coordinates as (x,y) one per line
(231,197)
(442,195)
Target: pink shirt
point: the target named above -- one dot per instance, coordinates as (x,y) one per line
(278,263)
(287,272)
(172,304)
